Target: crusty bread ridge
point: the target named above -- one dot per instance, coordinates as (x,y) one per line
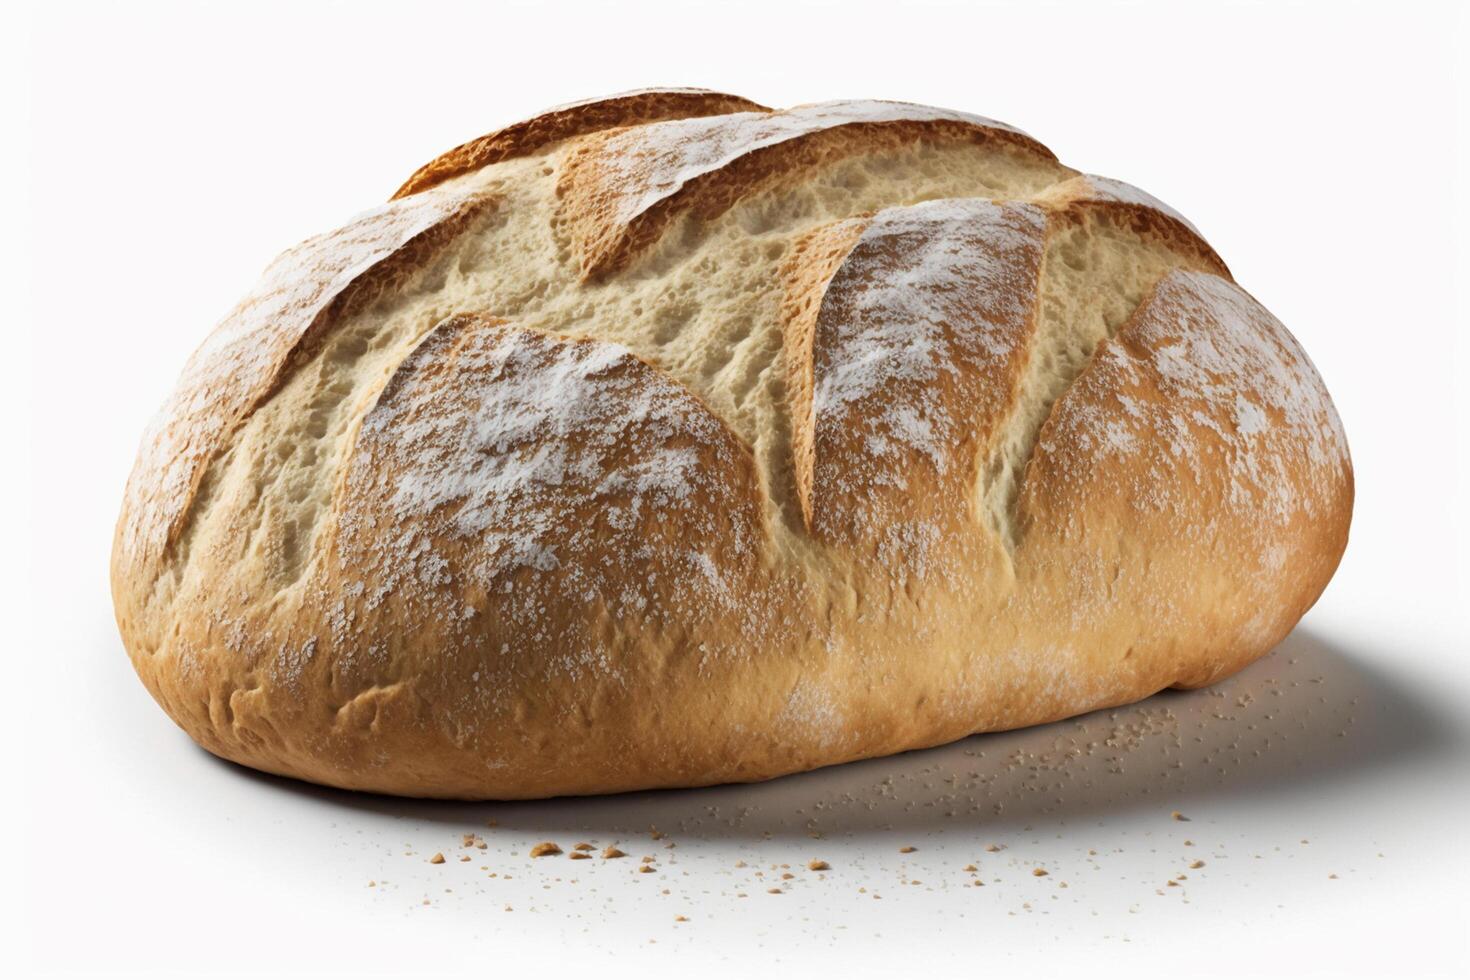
(668,440)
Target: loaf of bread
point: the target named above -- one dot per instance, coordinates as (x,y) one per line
(669,440)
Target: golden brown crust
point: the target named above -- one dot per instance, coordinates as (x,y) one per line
(813,262)
(1200,429)
(304,292)
(621,190)
(915,354)
(1145,214)
(432,514)
(567,122)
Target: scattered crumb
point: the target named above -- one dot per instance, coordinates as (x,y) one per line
(545,849)
(437,858)
(613,852)
(583,846)
(645,869)
(774,891)
(1039,872)
(579,856)
(681,918)
(1196,864)
(907,849)
(816,865)
(992,848)
(1176,815)
(969,867)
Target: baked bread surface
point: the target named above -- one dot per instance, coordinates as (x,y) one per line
(668,440)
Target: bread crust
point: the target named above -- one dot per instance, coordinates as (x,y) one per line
(446,508)
(621,190)
(569,121)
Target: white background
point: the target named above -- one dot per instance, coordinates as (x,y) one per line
(173,150)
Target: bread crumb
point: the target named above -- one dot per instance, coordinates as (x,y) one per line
(1196,864)
(437,858)
(1039,872)
(740,864)
(816,865)
(579,856)
(907,849)
(969,867)
(992,848)
(464,857)
(645,869)
(583,846)
(613,852)
(787,876)
(648,859)
(773,891)
(681,918)
(1176,815)
(545,849)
